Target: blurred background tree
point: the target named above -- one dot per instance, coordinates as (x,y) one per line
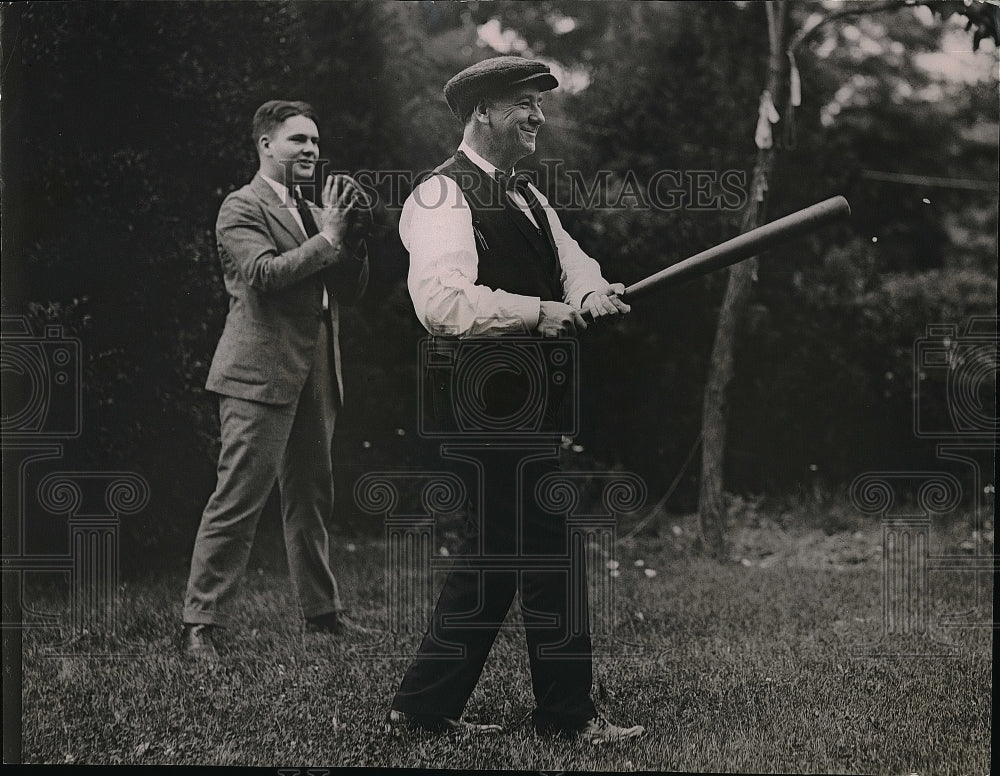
(866,101)
(125,124)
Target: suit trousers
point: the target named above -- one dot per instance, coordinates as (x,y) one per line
(261,444)
(511,546)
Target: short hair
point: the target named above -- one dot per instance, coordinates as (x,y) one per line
(491,98)
(465,112)
(273,112)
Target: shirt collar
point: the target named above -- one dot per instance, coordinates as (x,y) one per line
(477,160)
(280,189)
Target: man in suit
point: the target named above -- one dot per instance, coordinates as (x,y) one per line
(490,258)
(277,372)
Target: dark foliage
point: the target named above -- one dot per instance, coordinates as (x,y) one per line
(125,124)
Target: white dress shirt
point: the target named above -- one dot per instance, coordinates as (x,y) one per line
(286,196)
(436,229)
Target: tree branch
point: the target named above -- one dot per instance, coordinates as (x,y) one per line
(861,8)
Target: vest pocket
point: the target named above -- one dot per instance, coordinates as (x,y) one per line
(481,243)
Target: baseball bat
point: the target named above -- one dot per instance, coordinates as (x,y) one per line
(743,246)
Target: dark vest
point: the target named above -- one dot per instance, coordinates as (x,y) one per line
(519,258)
(514,255)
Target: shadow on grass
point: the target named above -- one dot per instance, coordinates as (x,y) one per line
(743,668)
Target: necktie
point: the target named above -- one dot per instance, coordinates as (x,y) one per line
(305,213)
(309,224)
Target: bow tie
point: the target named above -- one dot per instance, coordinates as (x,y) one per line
(517,182)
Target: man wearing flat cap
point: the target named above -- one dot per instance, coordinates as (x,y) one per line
(490,260)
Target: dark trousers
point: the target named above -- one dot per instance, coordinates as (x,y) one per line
(511,546)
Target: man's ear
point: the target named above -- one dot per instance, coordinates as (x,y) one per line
(481,112)
(264,145)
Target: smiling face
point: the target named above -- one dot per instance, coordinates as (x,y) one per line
(509,124)
(289,151)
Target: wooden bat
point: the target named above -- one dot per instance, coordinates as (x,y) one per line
(742,246)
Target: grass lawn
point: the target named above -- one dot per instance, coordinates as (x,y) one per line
(772,663)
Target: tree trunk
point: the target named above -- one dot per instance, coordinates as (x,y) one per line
(715,409)
(715,406)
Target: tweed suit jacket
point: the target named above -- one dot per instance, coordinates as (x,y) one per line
(275,276)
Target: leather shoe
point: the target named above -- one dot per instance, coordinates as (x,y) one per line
(595,730)
(398,721)
(336,623)
(198,643)
(599,731)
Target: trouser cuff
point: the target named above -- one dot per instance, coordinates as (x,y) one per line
(201,617)
(552,723)
(321,609)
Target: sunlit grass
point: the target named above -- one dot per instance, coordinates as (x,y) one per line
(778,665)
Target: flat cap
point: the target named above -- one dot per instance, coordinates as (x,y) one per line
(494,75)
